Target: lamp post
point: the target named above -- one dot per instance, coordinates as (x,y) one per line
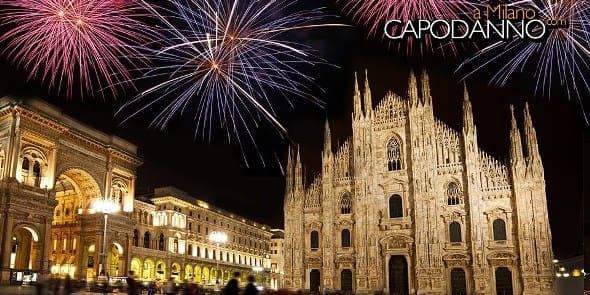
(217,237)
(105,207)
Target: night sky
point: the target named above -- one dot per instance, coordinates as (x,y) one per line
(215,172)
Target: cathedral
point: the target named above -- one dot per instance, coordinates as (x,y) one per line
(407,205)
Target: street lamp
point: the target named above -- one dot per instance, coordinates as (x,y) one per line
(217,237)
(105,207)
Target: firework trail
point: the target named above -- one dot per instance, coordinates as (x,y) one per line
(73,44)
(373,14)
(563,58)
(225,61)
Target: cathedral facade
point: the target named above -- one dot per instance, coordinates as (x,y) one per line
(407,205)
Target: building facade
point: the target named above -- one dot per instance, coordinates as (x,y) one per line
(52,170)
(277,261)
(407,205)
(171,239)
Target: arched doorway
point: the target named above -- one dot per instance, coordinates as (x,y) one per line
(114,260)
(458,284)
(346,281)
(24,254)
(197,274)
(314,280)
(503,281)
(188,273)
(175,270)
(398,275)
(205,276)
(148,270)
(161,270)
(136,266)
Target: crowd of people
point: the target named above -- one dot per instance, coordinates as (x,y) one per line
(134,287)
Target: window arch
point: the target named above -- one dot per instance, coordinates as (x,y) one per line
(345,238)
(499,230)
(314,240)
(454,194)
(190,249)
(455,232)
(175,245)
(395,207)
(394,154)
(135,238)
(146,240)
(198,251)
(345,203)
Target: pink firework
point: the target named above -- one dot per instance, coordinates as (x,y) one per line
(373,14)
(74,44)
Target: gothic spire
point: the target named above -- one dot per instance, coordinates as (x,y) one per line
(426,97)
(357,99)
(413,89)
(516,156)
(468,123)
(289,175)
(367,96)
(532,148)
(327,138)
(298,171)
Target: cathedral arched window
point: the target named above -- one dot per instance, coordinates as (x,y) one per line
(455,232)
(345,238)
(454,194)
(314,238)
(499,227)
(135,238)
(345,204)
(394,155)
(146,240)
(395,206)
(161,242)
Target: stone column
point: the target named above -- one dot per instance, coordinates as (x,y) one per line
(6,249)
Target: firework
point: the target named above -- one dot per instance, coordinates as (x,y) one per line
(373,14)
(73,44)
(226,62)
(563,58)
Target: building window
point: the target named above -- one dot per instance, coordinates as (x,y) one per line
(175,246)
(198,251)
(190,249)
(190,226)
(68,211)
(135,238)
(146,240)
(499,230)
(454,194)
(345,204)
(394,155)
(161,243)
(314,240)
(37,174)
(395,206)
(455,232)
(345,238)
